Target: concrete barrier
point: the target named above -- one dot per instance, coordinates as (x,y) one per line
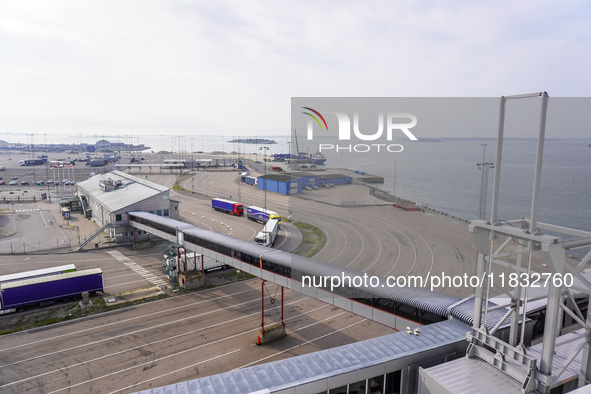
(272,332)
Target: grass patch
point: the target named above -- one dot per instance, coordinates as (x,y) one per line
(313,239)
(177,188)
(220,279)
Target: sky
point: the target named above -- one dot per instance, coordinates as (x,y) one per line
(185,67)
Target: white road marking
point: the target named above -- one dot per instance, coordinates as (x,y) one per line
(135,267)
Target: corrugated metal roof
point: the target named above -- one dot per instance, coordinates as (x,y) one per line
(563,349)
(299,370)
(471,375)
(132,191)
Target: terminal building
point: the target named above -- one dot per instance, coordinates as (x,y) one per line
(296,182)
(106,198)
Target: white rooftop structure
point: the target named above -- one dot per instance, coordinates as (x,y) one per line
(107,198)
(130,191)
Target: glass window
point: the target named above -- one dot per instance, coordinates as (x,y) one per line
(376,385)
(357,388)
(159,212)
(393,381)
(166,212)
(118,217)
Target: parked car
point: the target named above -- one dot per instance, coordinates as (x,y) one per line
(13,183)
(13,178)
(24,183)
(2,183)
(50,182)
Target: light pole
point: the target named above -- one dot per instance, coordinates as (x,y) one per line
(484,166)
(265,149)
(394,188)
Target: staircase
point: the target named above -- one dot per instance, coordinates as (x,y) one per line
(93,236)
(85,208)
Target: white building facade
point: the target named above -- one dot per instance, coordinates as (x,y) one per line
(107,198)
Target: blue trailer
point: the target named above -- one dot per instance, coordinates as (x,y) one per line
(251,180)
(37,273)
(33,162)
(231,207)
(261,215)
(19,294)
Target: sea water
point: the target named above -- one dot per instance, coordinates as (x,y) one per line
(441,175)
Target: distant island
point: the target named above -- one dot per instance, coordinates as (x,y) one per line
(259,141)
(430,140)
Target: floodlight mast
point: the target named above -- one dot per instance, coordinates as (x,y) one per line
(532,373)
(499,154)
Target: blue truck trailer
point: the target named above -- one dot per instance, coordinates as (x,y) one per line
(231,207)
(19,294)
(251,180)
(261,215)
(37,273)
(33,162)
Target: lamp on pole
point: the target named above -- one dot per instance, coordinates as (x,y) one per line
(394,188)
(265,149)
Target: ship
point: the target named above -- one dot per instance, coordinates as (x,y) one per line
(317,158)
(303,158)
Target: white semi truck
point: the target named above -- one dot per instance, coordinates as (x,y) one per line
(268,234)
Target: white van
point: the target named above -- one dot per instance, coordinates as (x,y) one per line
(2,168)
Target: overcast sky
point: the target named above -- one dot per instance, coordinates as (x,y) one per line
(231,67)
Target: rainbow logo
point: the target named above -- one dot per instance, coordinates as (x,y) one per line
(315,118)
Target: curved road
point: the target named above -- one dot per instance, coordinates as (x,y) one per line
(379,239)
